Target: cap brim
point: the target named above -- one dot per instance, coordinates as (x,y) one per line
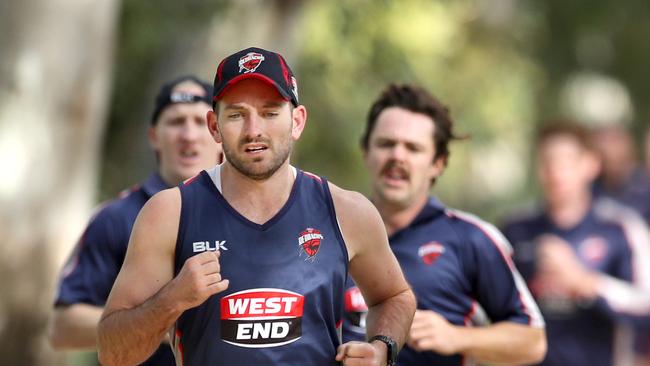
(252,75)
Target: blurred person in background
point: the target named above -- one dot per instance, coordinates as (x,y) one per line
(183,146)
(642,345)
(586,260)
(472,303)
(622,177)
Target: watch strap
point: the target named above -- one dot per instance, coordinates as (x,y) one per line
(391,348)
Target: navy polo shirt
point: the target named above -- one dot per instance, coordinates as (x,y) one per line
(94,264)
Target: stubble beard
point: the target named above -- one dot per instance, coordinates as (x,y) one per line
(255,169)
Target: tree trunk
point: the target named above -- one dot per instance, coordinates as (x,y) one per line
(55,71)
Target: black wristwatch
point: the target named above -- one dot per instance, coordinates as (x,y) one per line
(391,353)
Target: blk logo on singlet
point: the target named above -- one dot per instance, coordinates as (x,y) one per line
(309,242)
(263,317)
(204,246)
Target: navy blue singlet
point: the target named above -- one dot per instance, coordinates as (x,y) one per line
(284,302)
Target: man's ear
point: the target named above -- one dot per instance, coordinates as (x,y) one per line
(594,165)
(438,167)
(213,126)
(299,120)
(364,150)
(152,135)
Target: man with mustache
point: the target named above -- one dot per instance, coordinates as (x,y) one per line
(472,303)
(247,261)
(181,140)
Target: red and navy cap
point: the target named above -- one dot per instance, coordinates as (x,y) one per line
(256,63)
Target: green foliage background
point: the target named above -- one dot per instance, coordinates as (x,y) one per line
(499,64)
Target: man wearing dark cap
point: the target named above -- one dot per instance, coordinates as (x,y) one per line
(183,146)
(247,262)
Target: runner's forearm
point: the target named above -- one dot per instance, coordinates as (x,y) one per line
(392,317)
(75,326)
(129,336)
(503,343)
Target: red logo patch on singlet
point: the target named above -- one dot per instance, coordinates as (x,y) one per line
(262,317)
(430,252)
(309,242)
(250,62)
(593,249)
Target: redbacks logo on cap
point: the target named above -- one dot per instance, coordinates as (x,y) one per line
(250,62)
(309,242)
(260,64)
(261,317)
